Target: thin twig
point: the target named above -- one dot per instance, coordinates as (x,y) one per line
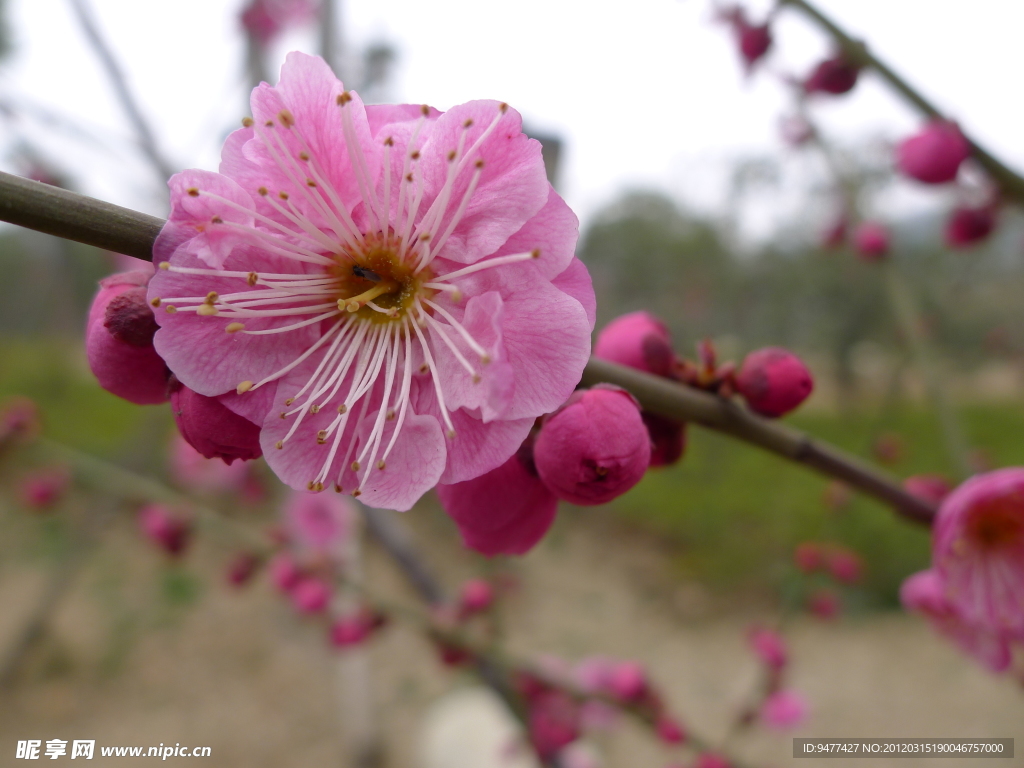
(1010,183)
(147,140)
(46,209)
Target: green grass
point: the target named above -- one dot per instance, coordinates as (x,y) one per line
(736,512)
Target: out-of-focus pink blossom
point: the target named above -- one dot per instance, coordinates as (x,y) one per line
(637,340)
(669,730)
(19,420)
(926,593)
(310,595)
(978,548)
(42,489)
(242,568)
(212,429)
(844,564)
(752,40)
(475,596)
(193,470)
(933,488)
(889,448)
(266,19)
(934,155)
(967,227)
(578,755)
(795,130)
(824,603)
(627,681)
(837,496)
(594,448)
(168,530)
(318,522)
(809,556)
(505,511)
(711,760)
(774,381)
(835,76)
(769,646)
(285,573)
(119,340)
(784,710)
(553,722)
(355,628)
(871,241)
(835,235)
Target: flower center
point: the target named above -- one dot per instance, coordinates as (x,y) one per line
(997,524)
(375,283)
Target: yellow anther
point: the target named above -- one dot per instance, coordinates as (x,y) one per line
(170,309)
(206,310)
(279,444)
(165,265)
(314,408)
(247,122)
(355,466)
(155,301)
(252,279)
(342,408)
(234,327)
(245,386)
(381,465)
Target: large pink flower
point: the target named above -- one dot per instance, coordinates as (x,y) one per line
(391,291)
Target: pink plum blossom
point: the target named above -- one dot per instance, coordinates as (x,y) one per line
(212,429)
(627,681)
(843,564)
(934,155)
(389,291)
(318,523)
(119,340)
(505,511)
(475,596)
(193,470)
(933,488)
(774,381)
(784,710)
(967,227)
(310,595)
(553,722)
(769,646)
(594,448)
(355,627)
(978,549)
(871,241)
(926,593)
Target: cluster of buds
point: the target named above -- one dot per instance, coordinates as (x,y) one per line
(779,707)
(170,530)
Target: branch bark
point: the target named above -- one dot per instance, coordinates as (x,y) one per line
(93,222)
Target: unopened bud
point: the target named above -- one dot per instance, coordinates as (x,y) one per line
(774,381)
(969,226)
(835,76)
(212,429)
(871,241)
(934,155)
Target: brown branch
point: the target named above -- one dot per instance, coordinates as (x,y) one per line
(1009,182)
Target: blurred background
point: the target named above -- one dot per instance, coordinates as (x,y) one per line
(694,206)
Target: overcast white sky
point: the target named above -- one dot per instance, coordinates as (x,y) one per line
(645,93)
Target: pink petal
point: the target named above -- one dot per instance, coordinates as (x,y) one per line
(575,281)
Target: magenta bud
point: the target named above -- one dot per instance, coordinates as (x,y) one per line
(476,596)
(119,341)
(783,710)
(809,556)
(212,429)
(871,241)
(637,340)
(668,439)
(285,573)
(355,628)
(627,681)
(43,489)
(933,488)
(824,603)
(669,730)
(969,226)
(594,448)
(843,564)
(769,646)
(311,595)
(553,722)
(835,76)
(774,381)
(167,530)
(242,568)
(934,155)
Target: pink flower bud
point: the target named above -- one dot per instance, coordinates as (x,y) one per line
(627,681)
(242,568)
(19,420)
(933,488)
(285,573)
(594,448)
(43,489)
(934,155)
(637,340)
(167,530)
(753,41)
(669,730)
(809,557)
(668,439)
(871,241)
(835,76)
(476,596)
(553,722)
(824,603)
(119,340)
(969,226)
(845,565)
(784,710)
(769,646)
(311,595)
(835,235)
(266,19)
(212,429)
(774,381)
(355,628)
